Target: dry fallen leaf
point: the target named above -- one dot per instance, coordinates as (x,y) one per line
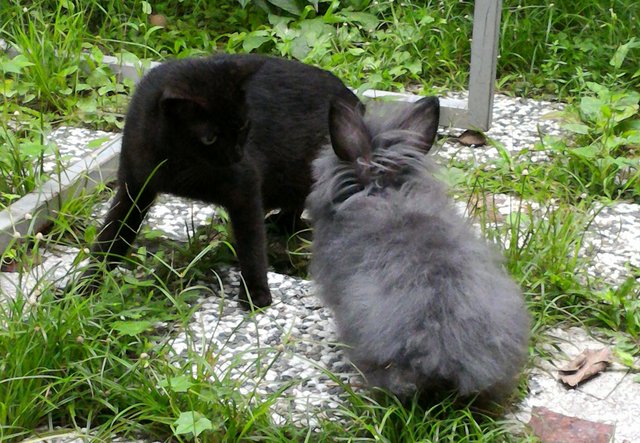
(586,365)
(472,138)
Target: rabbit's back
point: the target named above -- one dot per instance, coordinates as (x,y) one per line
(420,300)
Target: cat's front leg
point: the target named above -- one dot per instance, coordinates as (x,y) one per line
(247,219)
(122,223)
(120,228)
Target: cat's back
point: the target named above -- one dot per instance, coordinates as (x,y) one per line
(288,106)
(293,77)
(293,97)
(204,76)
(283,98)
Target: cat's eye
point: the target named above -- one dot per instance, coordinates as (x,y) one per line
(208,139)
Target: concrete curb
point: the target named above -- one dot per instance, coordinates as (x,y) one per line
(453,112)
(33,211)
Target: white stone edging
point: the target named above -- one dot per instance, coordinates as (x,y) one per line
(32,212)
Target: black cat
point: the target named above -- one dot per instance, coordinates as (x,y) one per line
(236,130)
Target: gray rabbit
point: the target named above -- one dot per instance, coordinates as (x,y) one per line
(423,304)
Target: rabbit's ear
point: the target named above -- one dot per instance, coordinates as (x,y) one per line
(349,136)
(423,118)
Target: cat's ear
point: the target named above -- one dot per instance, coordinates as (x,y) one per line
(239,73)
(423,117)
(350,137)
(180,102)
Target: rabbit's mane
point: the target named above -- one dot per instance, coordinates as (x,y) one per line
(398,159)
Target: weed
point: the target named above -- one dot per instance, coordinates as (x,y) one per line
(103,364)
(543,236)
(603,158)
(619,308)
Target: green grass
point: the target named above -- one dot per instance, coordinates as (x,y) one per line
(23,146)
(546,49)
(103,362)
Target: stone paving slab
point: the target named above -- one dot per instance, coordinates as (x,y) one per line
(552,427)
(299,333)
(613,242)
(175,217)
(518,123)
(612,397)
(72,144)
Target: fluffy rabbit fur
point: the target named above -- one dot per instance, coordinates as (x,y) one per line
(422,304)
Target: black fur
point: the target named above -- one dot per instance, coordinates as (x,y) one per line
(237,130)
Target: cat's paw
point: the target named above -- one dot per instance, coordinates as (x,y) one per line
(255,298)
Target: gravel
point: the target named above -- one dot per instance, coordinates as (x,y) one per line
(296,338)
